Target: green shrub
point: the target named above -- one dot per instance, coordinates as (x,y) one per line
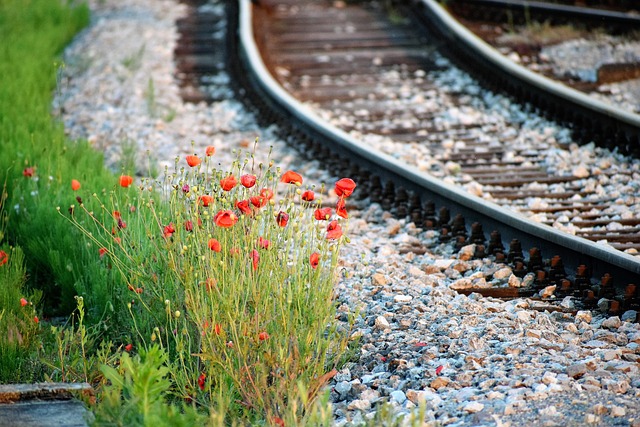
(234,281)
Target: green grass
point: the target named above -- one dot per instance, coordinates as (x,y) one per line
(33,34)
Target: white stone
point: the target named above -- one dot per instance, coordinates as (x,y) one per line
(443,264)
(402,298)
(398,396)
(503,273)
(359,404)
(381,323)
(613,322)
(473,407)
(583,316)
(514,281)
(618,411)
(548,291)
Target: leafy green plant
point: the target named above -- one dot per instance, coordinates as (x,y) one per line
(75,352)
(136,393)
(231,271)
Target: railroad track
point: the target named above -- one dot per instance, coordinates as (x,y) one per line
(350,65)
(535,34)
(615,17)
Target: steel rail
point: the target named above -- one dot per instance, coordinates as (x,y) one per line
(608,125)
(573,250)
(607,17)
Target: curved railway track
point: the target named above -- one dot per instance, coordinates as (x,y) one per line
(313,49)
(616,18)
(542,35)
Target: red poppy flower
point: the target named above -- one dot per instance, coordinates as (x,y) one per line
(278,421)
(23,302)
(217,329)
(344,187)
(341,208)
(334,231)
(308,196)
(117,215)
(243,206)
(202,379)
(291,177)
(314,259)
(255,258)
(210,283)
(188,225)
(225,219)
(282,219)
(210,150)
(4,257)
(36,320)
(121,224)
(193,161)
(258,201)
(205,199)
(28,172)
(228,183)
(322,214)
(102,251)
(168,230)
(125,180)
(263,336)
(263,243)
(128,347)
(75,184)
(214,245)
(117,240)
(248,180)
(267,193)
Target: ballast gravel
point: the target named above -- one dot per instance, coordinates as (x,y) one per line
(466,360)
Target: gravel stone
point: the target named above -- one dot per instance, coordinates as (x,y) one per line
(577,370)
(618,411)
(612,322)
(359,404)
(382,323)
(473,407)
(398,396)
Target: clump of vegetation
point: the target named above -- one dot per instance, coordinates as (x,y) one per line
(229,272)
(18,318)
(203,297)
